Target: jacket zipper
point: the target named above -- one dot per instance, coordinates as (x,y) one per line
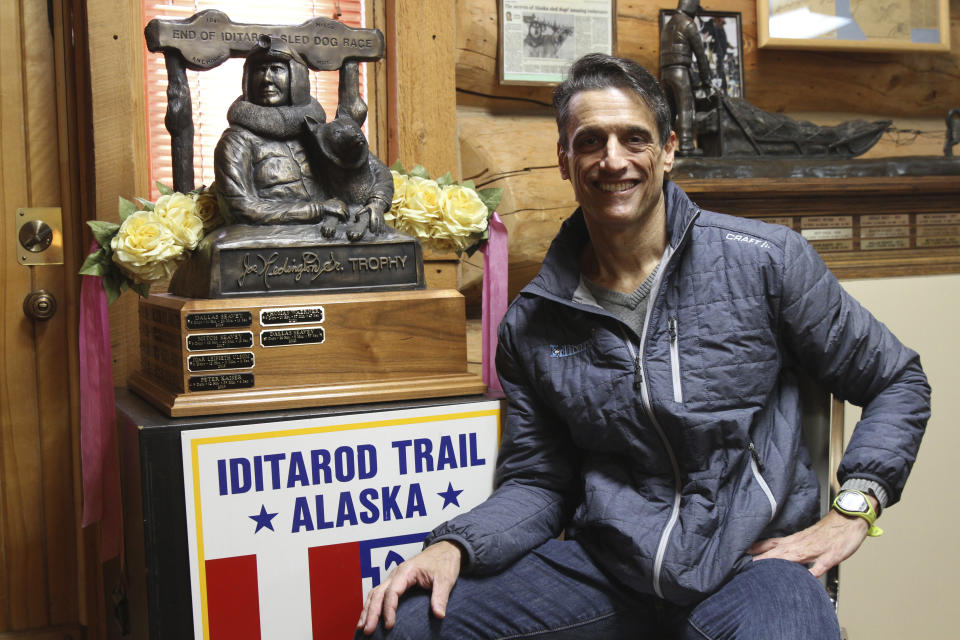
(675,361)
(756,466)
(640,384)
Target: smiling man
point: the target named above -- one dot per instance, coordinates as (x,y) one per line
(651,373)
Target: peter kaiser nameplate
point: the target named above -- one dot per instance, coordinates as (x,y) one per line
(221,382)
(300,519)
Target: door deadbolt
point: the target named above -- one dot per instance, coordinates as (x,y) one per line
(36,236)
(39,236)
(40,305)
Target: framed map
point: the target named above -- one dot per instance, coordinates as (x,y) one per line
(867,25)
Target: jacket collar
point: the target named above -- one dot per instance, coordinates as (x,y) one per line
(559,275)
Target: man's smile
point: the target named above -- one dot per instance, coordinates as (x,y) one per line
(613,187)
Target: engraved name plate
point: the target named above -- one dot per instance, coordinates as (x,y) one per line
(884,232)
(826,222)
(827,234)
(289,337)
(291,315)
(216,361)
(221,382)
(832,245)
(210,341)
(380,266)
(880,244)
(219,320)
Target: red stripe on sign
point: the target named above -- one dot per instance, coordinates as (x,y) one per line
(233,601)
(336,592)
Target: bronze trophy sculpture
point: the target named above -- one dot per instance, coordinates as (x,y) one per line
(680,42)
(305,297)
(711,124)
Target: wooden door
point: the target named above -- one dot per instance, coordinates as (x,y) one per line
(42,580)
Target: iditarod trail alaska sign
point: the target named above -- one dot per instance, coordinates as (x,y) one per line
(291,523)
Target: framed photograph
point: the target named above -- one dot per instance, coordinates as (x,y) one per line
(867,25)
(722,35)
(540,40)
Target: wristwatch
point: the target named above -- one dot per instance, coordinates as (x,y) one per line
(850,502)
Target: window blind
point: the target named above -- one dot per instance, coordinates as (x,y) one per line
(212,92)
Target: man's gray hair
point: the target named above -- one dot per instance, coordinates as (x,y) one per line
(600,71)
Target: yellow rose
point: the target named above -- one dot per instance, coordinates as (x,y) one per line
(464,213)
(423,196)
(179,213)
(145,248)
(208,209)
(399,189)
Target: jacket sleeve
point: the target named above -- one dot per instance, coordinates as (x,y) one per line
(537,479)
(858,359)
(233,169)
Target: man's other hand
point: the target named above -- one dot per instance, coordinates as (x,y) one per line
(435,568)
(822,546)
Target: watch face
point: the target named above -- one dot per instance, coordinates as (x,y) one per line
(850,501)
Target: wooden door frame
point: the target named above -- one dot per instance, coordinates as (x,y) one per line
(44,112)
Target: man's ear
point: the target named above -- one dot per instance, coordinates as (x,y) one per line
(669,148)
(562,161)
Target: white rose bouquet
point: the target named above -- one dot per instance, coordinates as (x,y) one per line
(151,239)
(444,215)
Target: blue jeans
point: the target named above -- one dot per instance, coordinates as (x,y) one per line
(556,592)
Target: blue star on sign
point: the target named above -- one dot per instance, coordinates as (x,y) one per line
(450,496)
(263,519)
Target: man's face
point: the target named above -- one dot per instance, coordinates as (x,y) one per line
(613,158)
(270,83)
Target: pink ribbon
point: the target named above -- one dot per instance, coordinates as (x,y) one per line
(98,446)
(494,298)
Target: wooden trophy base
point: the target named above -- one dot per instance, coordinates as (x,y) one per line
(204,356)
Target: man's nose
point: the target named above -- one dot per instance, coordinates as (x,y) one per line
(614,158)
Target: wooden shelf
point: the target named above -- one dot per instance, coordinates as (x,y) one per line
(864,227)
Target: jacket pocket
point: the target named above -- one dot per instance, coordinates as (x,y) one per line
(756,466)
(675,361)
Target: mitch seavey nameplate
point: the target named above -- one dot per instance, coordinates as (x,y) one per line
(216,361)
(291,315)
(208,341)
(288,337)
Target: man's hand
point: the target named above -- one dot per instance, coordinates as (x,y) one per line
(435,568)
(823,546)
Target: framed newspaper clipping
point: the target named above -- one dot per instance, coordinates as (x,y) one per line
(540,39)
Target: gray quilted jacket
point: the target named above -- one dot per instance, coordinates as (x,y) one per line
(668,454)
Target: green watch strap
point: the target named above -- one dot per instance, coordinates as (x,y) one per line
(868,514)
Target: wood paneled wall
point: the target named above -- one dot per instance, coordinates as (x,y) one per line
(508,137)
(41,545)
(891,84)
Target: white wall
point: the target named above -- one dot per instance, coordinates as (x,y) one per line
(906,583)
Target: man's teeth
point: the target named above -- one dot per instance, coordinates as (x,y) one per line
(614,186)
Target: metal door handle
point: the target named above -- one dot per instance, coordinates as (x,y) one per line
(40,305)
